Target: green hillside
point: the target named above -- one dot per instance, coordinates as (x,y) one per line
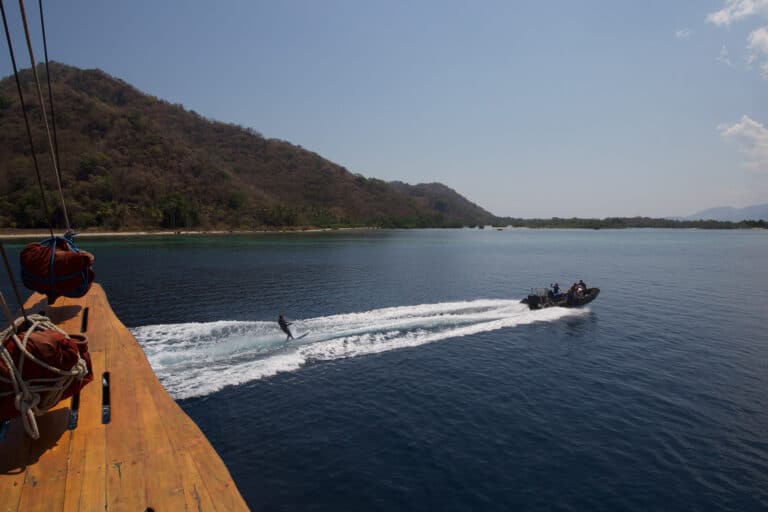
(133,161)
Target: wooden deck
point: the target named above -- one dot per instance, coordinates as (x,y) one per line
(149,456)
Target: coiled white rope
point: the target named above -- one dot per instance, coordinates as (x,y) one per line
(34,397)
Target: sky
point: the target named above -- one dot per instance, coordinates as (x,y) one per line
(527,108)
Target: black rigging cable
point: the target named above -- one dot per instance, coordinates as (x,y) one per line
(26,120)
(50,90)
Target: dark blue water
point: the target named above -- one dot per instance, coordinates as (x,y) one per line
(423,385)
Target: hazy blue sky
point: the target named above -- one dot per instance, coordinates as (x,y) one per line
(556,108)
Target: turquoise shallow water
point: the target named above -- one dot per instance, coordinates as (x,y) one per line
(424,385)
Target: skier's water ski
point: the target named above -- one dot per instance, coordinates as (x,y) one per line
(283,323)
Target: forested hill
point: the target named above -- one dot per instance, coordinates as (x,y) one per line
(129,160)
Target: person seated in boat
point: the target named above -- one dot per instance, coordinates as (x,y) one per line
(283,323)
(582,286)
(554,293)
(570,294)
(575,290)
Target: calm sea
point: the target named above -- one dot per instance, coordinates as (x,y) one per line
(423,384)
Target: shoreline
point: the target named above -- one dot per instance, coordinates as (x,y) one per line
(16,234)
(36,234)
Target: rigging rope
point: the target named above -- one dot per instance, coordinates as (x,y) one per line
(50,89)
(45,117)
(26,120)
(46,276)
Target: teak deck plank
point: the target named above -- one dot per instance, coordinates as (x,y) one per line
(13,468)
(126,482)
(87,444)
(150,454)
(46,480)
(75,473)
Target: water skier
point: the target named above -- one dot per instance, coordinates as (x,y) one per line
(283,323)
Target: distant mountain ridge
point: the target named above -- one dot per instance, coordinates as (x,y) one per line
(130,160)
(729,214)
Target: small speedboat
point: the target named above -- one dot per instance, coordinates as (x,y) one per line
(541,298)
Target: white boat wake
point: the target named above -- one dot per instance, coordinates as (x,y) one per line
(196,359)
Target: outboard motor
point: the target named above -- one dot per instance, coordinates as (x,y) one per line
(534,302)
